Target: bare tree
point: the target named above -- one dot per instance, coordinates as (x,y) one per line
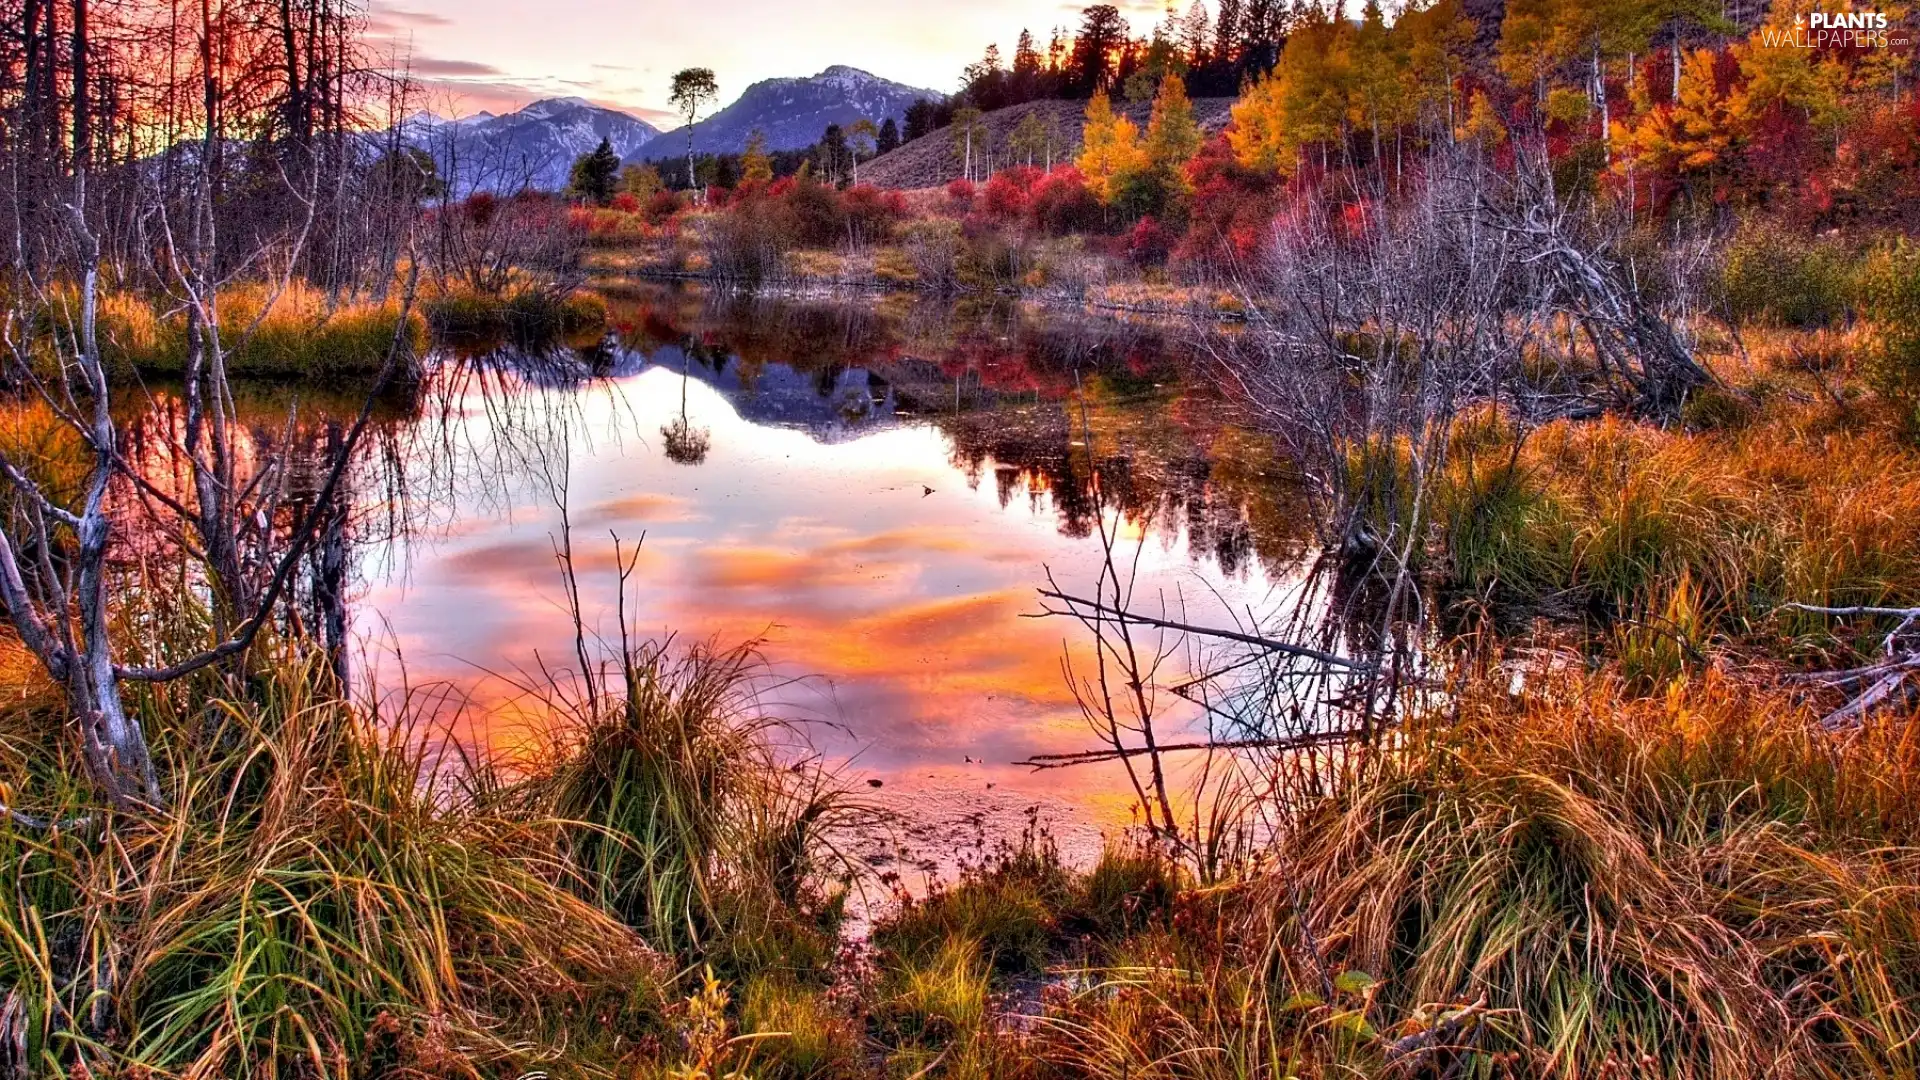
(184,219)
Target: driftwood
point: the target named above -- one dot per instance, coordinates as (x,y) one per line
(1889,682)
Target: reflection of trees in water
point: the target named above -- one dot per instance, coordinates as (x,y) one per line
(1223,489)
(283,443)
(995,350)
(996,378)
(685,444)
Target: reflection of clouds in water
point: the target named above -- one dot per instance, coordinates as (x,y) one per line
(882,579)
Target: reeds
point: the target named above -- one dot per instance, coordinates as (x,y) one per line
(296,332)
(305,903)
(1611,516)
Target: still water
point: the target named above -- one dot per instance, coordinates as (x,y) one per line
(874,494)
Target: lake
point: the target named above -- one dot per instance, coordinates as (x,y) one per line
(872,490)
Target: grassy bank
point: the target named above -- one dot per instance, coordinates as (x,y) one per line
(299,333)
(291,333)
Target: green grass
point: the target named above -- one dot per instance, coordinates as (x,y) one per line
(686,819)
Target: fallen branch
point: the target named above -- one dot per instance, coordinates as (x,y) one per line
(1886,681)
(1206,631)
(1039,762)
(1410,1051)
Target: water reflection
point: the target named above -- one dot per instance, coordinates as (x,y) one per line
(872,490)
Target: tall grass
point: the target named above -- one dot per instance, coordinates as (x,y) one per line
(305,904)
(1612,515)
(267,332)
(1582,881)
(694,816)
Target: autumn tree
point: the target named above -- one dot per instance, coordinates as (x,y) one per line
(968,129)
(860,143)
(1695,136)
(1304,102)
(1109,148)
(755,166)
(1028,140)
(1157,179)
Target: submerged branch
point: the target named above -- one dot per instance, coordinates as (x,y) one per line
(1288,648)
(1040,762)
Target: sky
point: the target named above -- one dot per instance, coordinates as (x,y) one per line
(497,55)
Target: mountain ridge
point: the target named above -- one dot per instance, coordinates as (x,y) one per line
(792,111)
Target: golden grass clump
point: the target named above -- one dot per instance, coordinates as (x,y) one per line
(1580,882)
(1614,515)
(306,901)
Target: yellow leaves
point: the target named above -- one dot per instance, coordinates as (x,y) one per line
(1483,124)
(1110,147)
(1569,106)
(1258,134)
(1172,135)
(755,165)
(1693,135)
(1777,71)
(1305,101)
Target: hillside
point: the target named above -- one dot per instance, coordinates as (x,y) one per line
(932,160)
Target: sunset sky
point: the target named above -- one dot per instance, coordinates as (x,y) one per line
(500,54)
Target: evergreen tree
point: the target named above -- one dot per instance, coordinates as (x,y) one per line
(1103,35)
(596,174)
(889,136)
(920,119)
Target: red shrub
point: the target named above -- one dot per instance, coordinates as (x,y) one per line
(1010,191)
(663,205)
(961,191)
(1060,203)
(1232,209)
(1149,244)
(627,202)
(480,207)
(872,213)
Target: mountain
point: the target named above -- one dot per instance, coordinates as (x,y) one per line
(793,112)
(534,147)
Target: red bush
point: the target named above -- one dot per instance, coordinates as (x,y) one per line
(1149,244)
(663,205)
(1060,203)
(480,207)
(961,191)
(1232,209)
(627,202)
(1010,191)
(871,212)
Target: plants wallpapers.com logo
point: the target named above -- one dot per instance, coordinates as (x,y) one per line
(1840,30)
